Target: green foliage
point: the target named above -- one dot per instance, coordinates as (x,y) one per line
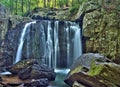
(74,9)
(76,5)
(20,7)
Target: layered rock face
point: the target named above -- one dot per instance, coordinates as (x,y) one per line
(101,26)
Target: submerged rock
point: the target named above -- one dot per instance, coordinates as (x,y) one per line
(94,71)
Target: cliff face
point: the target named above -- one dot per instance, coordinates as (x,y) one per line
(101,26)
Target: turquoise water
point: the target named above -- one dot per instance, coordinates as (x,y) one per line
(59,81)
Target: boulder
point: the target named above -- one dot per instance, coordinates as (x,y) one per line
(93,72)
(84,61)
(16,68)
(37,72)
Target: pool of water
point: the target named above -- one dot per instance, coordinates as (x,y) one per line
(59,81)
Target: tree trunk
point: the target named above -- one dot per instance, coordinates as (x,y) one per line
(11,6)
(22,4)
(16,7)
(29,3)
(44,3)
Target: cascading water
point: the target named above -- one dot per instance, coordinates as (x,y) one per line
(19,51)
(77,42)
(60,41)
(56,44)
(68,43)
(49,46)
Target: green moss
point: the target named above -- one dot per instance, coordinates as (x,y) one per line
(111,72)
(95,69)
(76,70)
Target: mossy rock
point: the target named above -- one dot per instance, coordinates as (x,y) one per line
(16,68)
(109,72)
(92,70)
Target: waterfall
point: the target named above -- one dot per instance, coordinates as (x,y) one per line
(22,39)
(57,43)
(49,45)
(68,43)
(77,42)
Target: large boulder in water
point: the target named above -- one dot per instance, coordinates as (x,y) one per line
(94,71)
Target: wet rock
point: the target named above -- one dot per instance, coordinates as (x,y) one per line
(16,68)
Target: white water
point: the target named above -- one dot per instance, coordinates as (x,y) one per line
(68,44)
(56,44)
(28,43)
(77,42)
(49,45)
(5,73)
(22,38)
